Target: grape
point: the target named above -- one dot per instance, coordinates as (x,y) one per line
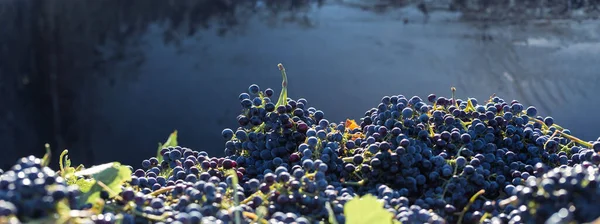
(30,190)
(7,208)
(227,133)
(556,201)
(434,160)
(549,121)
(253,89)
(146,164)
(596,146)
(269,92)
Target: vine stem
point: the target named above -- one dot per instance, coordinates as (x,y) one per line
(454,174)
(110,191)
(283,95)
(162,190)
(453,96)
(471,201)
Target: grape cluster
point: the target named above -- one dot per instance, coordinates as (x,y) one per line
(202,188)
(272,136)
(441,152)
(438,160)
(30,191)
(565,194)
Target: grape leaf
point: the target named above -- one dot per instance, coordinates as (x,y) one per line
(94,169)
(171,142)
(84,184)
(366,209)
(113,175)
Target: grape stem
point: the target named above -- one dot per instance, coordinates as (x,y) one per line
(162,190)
(107,189)
(507,201)
(235,198)
(544,124)
(453,96)
(358,184)
(577,140)
(254,217)
(249,198)
(283,95)
(491,99)
(484,216)
(453,174)
(470,106)
(347,159)
(471,201)
(358,175)
(46,158)
(151,216)
(332,219)
(560,129)
(552,136)
(60,161)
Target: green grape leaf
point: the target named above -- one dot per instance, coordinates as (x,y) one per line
(158,156)
(366,209)
(112,175)
(171,142)
(69,175)
(95,169)
(66,171)
(84,184)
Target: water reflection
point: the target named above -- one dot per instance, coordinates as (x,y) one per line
(128,72)
(533,63)
(54,51)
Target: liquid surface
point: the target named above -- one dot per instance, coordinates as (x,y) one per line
(123,86)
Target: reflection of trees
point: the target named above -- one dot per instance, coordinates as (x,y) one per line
(61,46)
(510,10)
(377,6)
(499,63)
(497,10)
(119,24)
(523,9)
(295,11)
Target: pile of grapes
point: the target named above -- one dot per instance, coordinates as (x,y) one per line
(408,160)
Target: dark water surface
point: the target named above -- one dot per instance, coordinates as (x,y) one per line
(109,79)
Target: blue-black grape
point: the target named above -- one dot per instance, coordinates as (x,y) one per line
(31,191)
(434,160)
